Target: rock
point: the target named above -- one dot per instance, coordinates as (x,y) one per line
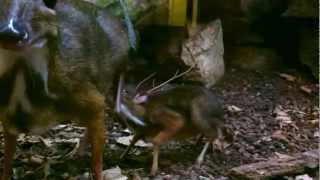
(308,49)
(205,51)
(237,31)
(252,58)
(302,8)
(261,9)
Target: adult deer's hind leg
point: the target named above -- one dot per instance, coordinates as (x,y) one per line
(10,143)
(96,131)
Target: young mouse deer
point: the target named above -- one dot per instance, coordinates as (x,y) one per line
(175,112)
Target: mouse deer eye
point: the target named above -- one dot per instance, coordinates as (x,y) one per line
(50,3)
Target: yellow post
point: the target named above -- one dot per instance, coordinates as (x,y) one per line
(177,12)
(194,13)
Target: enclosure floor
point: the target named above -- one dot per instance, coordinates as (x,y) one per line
(259,135)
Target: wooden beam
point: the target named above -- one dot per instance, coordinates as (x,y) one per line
(278,167)
(195,13)
(177,12)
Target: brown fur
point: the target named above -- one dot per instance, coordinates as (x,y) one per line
(177,112)
(66,79)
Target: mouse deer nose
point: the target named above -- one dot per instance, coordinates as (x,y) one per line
(12,31)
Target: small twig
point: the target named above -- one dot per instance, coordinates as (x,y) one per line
(140,98)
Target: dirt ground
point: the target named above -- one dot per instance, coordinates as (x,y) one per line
(269,115)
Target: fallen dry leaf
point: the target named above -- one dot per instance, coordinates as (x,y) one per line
(28,139)
(114,174)
(283,117)
(279,136)
(36,159)
(127,139)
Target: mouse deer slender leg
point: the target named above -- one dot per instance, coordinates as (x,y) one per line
(171,122)
(155,160)
(202,154)
(96,131)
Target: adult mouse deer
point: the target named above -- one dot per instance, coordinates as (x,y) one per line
(56,65)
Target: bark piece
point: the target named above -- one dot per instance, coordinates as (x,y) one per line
(275,167)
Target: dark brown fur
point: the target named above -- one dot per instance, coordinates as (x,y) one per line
(66,79)
(177,112)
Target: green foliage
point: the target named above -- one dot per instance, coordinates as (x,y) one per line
(113,6)
(136,8)
(105,3)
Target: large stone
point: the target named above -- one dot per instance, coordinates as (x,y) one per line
(257,10)
(303,8)
(237,31)
(204,51)
(308,49)
(252,58)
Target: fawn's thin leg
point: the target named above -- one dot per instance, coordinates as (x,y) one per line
(134,140)
(96,138)
(171,122)
(157,141)
(10,142)
(202,154)
(155,159)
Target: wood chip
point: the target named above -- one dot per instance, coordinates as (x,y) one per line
(287,77)
(306,89)
(234,109)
